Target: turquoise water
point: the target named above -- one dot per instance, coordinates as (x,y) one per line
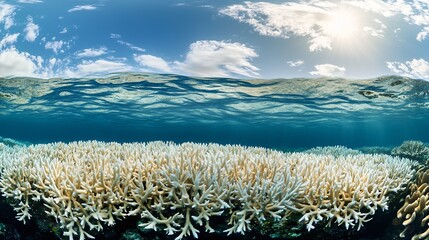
(285,114)
(280,113)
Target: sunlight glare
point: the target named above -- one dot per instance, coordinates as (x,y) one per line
(343,25)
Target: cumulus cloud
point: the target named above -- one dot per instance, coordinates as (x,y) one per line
(218,58)
(415,12)
(92,52)
(423,34)
(98,67)
(82,7)
(207,59)
(55,45)
(376,32)
(153,62)
(416,68)
(8,39)
(15,63)
(321,22)
(64,30)
(31,30)
(6,14)
(328,70)
(312,19)
(295,63)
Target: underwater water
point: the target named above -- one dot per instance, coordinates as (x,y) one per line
(282,114)
(279,113)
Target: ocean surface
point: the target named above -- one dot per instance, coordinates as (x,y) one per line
(280,113)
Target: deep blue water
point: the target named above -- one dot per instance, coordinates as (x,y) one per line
(280,113)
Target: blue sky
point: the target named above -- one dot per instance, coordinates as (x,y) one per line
(245,39)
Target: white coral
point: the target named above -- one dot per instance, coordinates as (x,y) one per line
(179,188)
(175,188)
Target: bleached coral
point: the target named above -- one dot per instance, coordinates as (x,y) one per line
(180,188)
(414,150)
(335,151)
(349,189)
(414,214)
(175,188)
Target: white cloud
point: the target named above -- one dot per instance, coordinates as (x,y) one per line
(416,68)
(98,67)
(131,46)
(64,31)
(376,32)
(295,63)
(208,59)
(328,70)
(15,63)
(115,36)
(313,19)
(92,52)
(8,39)
(6,14)
(82,7)
(320,21)
(153,62)
(415,12)
(54,45)
(31,30)
(423,34)
(218,59)
(384,8)
(30,1)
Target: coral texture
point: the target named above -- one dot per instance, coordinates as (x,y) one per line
(414,214)
(180,188)
(414,150)
(335,151)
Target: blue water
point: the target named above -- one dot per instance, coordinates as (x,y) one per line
(280,113)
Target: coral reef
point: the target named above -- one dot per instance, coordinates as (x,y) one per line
(349,189)
(335,151)
(182,189)
(414,214)
(414,150)
(175,188)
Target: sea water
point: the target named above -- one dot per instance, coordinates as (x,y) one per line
(280,113)
(283,114)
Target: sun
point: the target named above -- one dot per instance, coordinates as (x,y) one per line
(342,25)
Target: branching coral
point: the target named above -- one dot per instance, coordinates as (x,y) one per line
(349,189)
(180,188)
(414,150)
(414,214)
(176,188)
(335,151)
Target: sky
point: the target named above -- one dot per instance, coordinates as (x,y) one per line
(356,39)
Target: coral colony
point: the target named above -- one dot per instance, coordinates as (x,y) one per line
(180,188)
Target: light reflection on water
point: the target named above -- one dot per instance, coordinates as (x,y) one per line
(272,113)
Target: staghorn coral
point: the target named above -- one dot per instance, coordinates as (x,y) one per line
(178,189)
(175,188)
(335,151)
(414,214)
(349,189)
(414,150)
